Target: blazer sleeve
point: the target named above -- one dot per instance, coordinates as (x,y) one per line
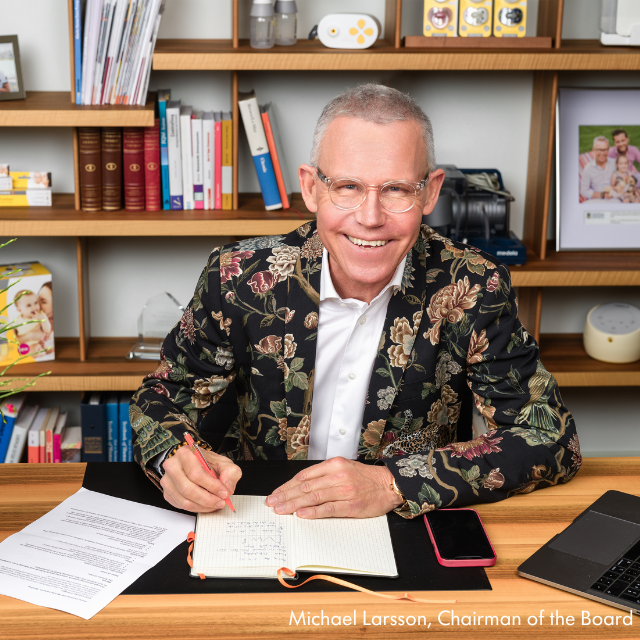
(196,367)
(531,441)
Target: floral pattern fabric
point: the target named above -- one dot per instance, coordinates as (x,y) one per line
(451,335)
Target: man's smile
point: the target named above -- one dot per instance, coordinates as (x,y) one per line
(367,243)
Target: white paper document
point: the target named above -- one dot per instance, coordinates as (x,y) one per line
(82,554)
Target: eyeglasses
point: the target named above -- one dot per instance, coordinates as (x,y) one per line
(396,196)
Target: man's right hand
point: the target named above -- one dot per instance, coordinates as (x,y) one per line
(188,486)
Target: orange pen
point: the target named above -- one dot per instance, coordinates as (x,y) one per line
(198,454)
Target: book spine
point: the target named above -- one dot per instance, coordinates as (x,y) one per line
(48,450)
(187,171)
(111,410)
(126,442)
(164,155)
(227,162)
(153,196)
(16,444)
(174,157)
(275,159)
(6,431)
(208,145)
(260,152)
(218,167)
(77,50)
(111,168)
(90,176)
(57,439)
(33,451)
(94,435)
(133,160)
(196,141)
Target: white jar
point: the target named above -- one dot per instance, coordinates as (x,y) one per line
(262,24)
(286,22)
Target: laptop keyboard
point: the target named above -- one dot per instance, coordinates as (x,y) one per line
(622,580)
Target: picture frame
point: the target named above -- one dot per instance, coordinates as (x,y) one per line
(11,84)
(598,169)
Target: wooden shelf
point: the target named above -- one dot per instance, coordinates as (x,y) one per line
(55,109)
(564,356)
(219,55)
(107,368)
(62,219)
(579,269)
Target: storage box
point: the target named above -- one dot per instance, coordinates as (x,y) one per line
(27,289)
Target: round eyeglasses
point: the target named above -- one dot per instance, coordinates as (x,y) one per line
(396,196)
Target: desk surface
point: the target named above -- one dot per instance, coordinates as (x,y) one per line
(517,527)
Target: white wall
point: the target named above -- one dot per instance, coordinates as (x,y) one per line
(480,119)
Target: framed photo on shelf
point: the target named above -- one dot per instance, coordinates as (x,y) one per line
(11,86)
(598,169)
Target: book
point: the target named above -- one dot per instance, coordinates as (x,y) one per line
(152,181)
(227,161)
(46,435)
(277,156)
(133,162)
(77,50)
(58,435)
(111,416)
(18,440)
(94,432)
(254,542)
(108,7)
(197,159)
(112,51)
(174,154)
(89,159)
(26,198)
(111,168)
(33,435)
(259,148)
(93,16)
(126,442)
(71,445)
(187,170)
(10,408)
(208,144)
(217,176)
(164,95)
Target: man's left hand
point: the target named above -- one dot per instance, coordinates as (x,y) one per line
(337,488)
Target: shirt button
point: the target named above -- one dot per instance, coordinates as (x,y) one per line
(342,431)
(352,376)
(363,320)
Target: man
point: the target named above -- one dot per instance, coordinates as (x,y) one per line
(596,176)
(356,338)
(623,148)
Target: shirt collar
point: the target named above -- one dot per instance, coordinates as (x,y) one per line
(328,291)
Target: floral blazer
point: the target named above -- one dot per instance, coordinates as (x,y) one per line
(451,331)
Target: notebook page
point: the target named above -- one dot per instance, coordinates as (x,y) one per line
(252,542)
(345,545)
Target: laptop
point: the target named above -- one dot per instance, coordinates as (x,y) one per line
(597,556)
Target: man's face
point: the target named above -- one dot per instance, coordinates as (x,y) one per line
(374,154)
(601,149)
(622,143)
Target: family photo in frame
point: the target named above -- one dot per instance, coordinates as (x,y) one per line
(598,165)
(11,85)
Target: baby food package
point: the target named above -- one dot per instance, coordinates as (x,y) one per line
(27,293)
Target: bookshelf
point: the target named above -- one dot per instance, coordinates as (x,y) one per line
(100,364)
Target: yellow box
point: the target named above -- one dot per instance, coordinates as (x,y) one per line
(26,292)
(30,179)
(475,18)
(510,18)
(26,198)
(440,18)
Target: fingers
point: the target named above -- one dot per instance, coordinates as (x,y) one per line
(337,466)
(228,472)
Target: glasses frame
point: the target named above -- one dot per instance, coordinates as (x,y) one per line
(328,181)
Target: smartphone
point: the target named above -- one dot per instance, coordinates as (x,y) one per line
(459,539)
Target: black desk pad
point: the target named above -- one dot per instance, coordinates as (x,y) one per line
(418,567)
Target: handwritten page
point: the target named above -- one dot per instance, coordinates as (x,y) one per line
(78,557)
(252,542)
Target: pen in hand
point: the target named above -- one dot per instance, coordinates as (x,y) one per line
(205,465)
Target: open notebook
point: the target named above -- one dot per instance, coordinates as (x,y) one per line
(254,542)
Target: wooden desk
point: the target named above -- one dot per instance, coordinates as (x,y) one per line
(517,527)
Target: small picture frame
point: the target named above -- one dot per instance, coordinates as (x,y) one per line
(598,169)
(11,85)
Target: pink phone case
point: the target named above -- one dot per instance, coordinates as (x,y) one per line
(483,562)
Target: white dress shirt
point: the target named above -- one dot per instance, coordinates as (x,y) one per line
(348,337)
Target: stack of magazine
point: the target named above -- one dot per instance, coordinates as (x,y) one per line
(113,47)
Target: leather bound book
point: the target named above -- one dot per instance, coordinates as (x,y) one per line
(111,168)
(90,175)
(152,179)
(133,160)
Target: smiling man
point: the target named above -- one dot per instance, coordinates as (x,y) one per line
(361,337)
